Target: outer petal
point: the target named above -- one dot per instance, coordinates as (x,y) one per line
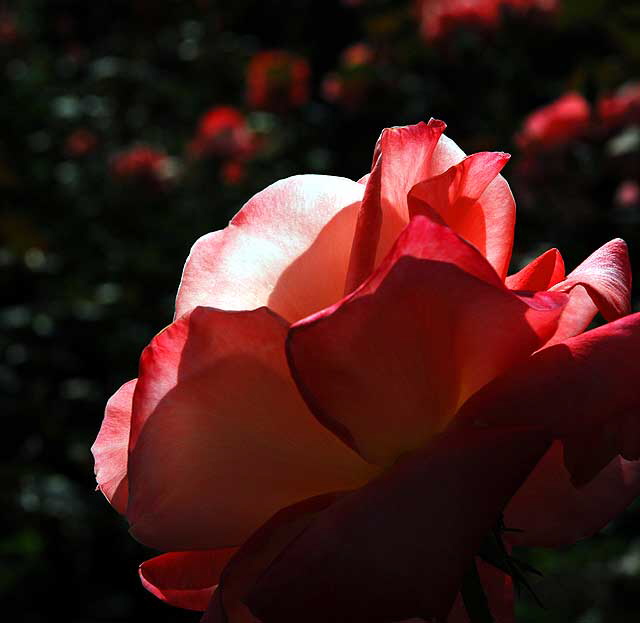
(584,390)
(455,196)
(185,579)
(220,438)
(552,512)
(411,534)
(287,248)
(540,274)
(110,447)
(606,275)
(602,282)
(389,366)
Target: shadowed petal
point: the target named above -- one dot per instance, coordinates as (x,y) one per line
(287,248)
(398,547)
(220,437)
(388,367)
(185,579)
(111,445)
(584,390)
(552,512)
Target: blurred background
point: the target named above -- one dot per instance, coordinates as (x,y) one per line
(130,128)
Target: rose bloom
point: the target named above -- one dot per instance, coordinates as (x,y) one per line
(620,108)
(223,132)
(141,163)
(353,392)
(556,124)
(439,17)
(277,81)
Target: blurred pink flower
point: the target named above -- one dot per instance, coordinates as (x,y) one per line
(555,124)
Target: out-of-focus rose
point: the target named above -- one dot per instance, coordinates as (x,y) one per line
(277,81)
(80,143)
(223,132)
(142,164)
(438,18)
(556,124)
(353,357)
(351,83)
(620,108)
(9,31)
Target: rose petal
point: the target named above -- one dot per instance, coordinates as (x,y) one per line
(390,365)
(540,274)
(552,512)
(110,447)
(455,196)
(256,554)
(584,390)
(406,153)
(606,276)
(411,534)
(185,579)
(367,233)
(288,249)
(220,438)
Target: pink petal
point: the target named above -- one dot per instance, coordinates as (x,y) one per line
(220,437)
(288,249)
(185,579)
(606,275)
(584,390)
(545,271)
(406,153)
(398,547)
(455,196)
(389,366)
(552,512)
(110,447)
(367,233)
(495,202)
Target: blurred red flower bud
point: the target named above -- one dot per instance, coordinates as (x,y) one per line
(277,81)
(80,143)
(223,131)
(620,108)
(142,163)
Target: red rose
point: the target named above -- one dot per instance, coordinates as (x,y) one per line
(439,17)
(620,108)
(353,358)
(223,132)
(556,124)
(141,163)
(277,81)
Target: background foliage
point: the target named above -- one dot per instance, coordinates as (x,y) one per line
(91,245)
